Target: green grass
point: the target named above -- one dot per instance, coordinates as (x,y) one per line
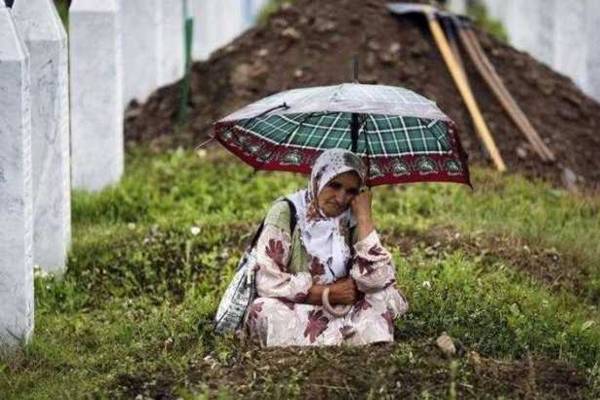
(269,8)
(63,11)
(478,12)
(125,317)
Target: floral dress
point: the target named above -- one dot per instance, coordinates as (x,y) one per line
(279,316)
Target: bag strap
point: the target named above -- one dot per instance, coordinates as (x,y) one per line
(293,218)
(293,221)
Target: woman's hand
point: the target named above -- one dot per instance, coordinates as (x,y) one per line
(343,291)
(361,208)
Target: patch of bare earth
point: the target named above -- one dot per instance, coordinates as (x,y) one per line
(396,370)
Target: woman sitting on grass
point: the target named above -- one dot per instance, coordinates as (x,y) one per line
(330,281)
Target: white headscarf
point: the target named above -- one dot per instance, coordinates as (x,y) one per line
(321,235)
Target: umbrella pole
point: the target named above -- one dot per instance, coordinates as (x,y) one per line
(354,126)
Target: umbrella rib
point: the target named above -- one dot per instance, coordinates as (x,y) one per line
(398,150)
(381,137)
(247,121)
(337,144)
(328,130)
(441,144)
(405,129)
(365,132)
(291,134)
(422,131)
(304,145)
(363,125)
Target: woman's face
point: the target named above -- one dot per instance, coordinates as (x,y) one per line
(338,193)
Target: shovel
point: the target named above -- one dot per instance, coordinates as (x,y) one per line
(457,75)
(489,74)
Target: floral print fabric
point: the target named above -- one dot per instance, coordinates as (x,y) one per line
(278,317)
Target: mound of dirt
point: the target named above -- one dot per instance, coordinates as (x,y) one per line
(312,43)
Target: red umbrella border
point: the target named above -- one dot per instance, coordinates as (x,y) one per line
(264,155)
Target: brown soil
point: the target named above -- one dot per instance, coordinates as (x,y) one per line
(380,371)
(312,43)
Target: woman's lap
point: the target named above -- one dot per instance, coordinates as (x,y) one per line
(275,322)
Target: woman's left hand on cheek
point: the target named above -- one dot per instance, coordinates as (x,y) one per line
(361,205)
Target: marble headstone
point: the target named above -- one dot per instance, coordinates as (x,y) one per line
(16,208)
(593,51)
(96,94)
(570,50)
(203,19)
(172,58)
(215,24)
(458,6)
(544,46)
(231,21)
(43,33)
(248,12)
(142,43)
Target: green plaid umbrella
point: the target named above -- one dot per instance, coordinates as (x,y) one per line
(402,136)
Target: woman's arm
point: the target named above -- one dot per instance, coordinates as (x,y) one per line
(272,277)
(372,267)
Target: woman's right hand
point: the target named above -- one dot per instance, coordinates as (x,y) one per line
(343,291)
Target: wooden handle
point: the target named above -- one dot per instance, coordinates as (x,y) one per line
(489,74)
(465,92)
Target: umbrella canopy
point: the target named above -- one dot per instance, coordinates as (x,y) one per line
(402,136)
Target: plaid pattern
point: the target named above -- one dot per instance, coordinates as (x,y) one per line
(379,135)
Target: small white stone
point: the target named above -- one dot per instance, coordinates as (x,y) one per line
(426,285)
(201,153)
(195,230)
(446,345)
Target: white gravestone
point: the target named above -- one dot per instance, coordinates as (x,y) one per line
(203,45)
(520,23)
(230,19)
(142,48)
(96,94)
(248,12)
(16,209)
(495,8)
(570,51)
(216,23)
(458,6)
(256,7)
(593,51)
(42,31)
(544,47)
(172,60)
